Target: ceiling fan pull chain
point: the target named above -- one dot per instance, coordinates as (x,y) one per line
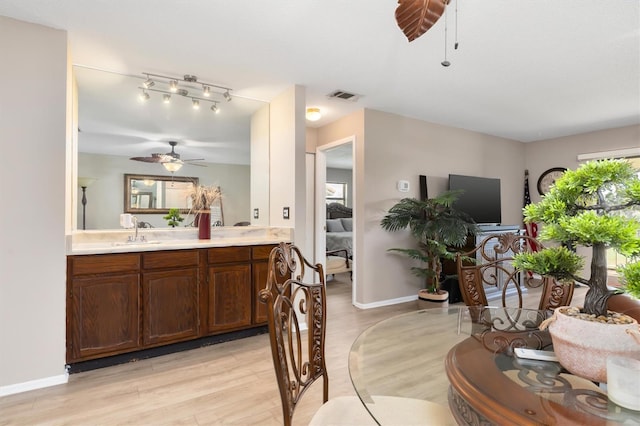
(455,45)
(445,63)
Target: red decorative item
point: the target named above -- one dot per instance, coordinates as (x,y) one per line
(204,225)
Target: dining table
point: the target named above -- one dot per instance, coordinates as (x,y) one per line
(463,358)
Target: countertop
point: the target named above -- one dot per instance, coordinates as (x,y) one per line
(157,239)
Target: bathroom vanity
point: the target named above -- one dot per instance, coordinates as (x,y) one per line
(127,297)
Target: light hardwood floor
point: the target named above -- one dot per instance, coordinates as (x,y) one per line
(231,383)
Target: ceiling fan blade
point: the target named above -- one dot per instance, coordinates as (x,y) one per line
(194,159)
(197,164)
(146,159)
(415,17)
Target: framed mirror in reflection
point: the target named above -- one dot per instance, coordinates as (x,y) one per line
(157,194)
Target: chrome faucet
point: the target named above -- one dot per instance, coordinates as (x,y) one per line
(134,238)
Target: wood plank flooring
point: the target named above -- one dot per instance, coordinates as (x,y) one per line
(231,383)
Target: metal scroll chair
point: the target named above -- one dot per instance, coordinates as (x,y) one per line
(299,357)
(298,364)
(493,268)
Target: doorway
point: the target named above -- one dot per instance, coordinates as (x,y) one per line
(335,183)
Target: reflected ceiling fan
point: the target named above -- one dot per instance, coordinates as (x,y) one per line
(171,160)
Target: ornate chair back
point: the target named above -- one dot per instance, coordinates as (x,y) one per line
(490,265)
(293,282)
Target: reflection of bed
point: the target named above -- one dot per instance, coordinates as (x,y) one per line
(339,228)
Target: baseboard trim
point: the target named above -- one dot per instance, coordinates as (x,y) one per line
(386,302)
(34,384)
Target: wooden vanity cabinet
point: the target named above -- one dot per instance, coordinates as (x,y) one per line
(118,303)
(170,297)
(103,305)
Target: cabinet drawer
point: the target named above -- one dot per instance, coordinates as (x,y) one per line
(262,252)
(170,259)
(228,254)
(104,264)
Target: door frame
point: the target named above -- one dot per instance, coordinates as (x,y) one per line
(321,210)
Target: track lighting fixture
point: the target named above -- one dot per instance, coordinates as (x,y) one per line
(148,83)
(189,83)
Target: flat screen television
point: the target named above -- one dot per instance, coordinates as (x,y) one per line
(480,198)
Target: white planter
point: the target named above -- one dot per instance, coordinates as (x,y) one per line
(583,347)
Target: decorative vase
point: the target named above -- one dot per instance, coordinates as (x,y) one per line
(204,225)
(583,346)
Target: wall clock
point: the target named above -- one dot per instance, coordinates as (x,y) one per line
(548,177)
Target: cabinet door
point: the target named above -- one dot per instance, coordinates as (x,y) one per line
(170,300)
(103,316)
(260,272)
(230,297)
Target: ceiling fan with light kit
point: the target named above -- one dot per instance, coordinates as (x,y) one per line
(171,160)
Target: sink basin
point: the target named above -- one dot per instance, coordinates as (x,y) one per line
(134,243)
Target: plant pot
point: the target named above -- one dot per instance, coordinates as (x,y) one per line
(439,299)
(582,346)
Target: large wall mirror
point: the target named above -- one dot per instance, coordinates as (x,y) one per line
(114,125)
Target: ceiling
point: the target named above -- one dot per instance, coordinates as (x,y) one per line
(525,70)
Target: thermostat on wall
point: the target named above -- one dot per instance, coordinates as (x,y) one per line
(403,185)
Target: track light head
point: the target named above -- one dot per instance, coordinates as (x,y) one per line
(227,96)
(182,92)
(215,109)
(148,83)
(173,86)
(144,96)
(166,98)
(196,103)
(206,91)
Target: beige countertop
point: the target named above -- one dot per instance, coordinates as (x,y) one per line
(157,239)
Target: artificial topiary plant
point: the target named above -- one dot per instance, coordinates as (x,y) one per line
(436,226)
(594,206)
(173,218)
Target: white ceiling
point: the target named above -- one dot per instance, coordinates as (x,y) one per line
(525,70)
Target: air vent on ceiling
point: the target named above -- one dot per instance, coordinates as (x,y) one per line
(345,96)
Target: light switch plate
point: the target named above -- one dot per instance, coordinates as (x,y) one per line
(285,212)
(256,213)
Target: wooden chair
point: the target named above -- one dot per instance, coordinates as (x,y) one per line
(293,279)
(493,268)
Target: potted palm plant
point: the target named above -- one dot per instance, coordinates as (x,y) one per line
(593,206)
(438,228)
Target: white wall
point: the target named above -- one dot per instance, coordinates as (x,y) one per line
(33,128)
(260,168)
(287,164)
(105,197)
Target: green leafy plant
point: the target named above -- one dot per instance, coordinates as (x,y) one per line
(559,262)
(173,218)
(630,277)
(436,226)
(591,206)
